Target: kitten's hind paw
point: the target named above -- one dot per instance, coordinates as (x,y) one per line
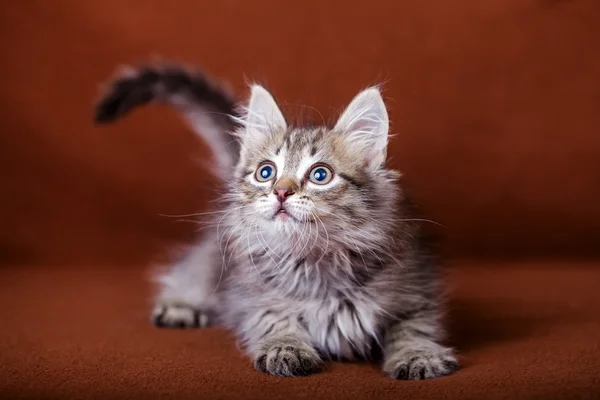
(289,359)
(421,364)
(179,316)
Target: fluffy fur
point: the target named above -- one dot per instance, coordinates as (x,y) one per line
(301,270)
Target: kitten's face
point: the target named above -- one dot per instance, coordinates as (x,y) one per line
(314,182)
(303,176)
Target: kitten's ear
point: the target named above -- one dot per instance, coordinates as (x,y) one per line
(263,115)
(365,123)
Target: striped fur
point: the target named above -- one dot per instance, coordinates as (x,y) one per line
(338,275)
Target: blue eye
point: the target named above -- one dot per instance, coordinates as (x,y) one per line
(320,175)
(265,172)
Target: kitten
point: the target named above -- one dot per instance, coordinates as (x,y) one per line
(312,255)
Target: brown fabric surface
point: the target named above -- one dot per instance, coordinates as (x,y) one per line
(523,330)
(494,103)
(495,106)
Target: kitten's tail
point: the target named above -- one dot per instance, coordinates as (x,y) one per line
(207,108)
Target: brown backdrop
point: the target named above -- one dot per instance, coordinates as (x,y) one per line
(495,105)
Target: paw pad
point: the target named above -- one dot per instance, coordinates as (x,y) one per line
(288,360)
(180,317)
(420,365)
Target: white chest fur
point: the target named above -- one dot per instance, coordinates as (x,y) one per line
(337,319)
(342,328)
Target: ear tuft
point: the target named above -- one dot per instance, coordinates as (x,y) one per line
(263,113)
(365,123)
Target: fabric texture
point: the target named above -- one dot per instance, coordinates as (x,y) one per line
(494,107)
(524,330)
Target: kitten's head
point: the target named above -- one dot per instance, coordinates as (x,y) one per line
(315,184)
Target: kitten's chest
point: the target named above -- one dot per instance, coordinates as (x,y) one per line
(342,328)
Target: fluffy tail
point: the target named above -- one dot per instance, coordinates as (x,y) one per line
(210,111)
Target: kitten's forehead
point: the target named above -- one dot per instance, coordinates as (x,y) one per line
(299,140)
(299,148)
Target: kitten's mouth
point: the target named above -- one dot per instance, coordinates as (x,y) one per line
(281,214)
(281,211)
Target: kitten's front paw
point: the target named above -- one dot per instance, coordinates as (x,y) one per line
(421,364)
(179,316)
(288,359)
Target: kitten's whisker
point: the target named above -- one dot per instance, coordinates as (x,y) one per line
(225,264)
(312,247)
(203,213)
(252,258)
(269,251)
(306,226)
(232,231)
(309,107)
(327,239)
(423,220)
(218,227)
(298,242)
(193,221)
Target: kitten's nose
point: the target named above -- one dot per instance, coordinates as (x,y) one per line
(283,194)
(284,188)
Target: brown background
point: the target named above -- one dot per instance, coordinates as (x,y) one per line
(496,107)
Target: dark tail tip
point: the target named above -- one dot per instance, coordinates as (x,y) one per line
(125,94)
(120,101)
(107,110)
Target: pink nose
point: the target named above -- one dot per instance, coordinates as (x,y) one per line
(283,194)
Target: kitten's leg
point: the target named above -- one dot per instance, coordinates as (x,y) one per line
(412,349)
(278,344)
(188,291)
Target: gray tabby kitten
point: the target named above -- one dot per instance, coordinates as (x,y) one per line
(312,254)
